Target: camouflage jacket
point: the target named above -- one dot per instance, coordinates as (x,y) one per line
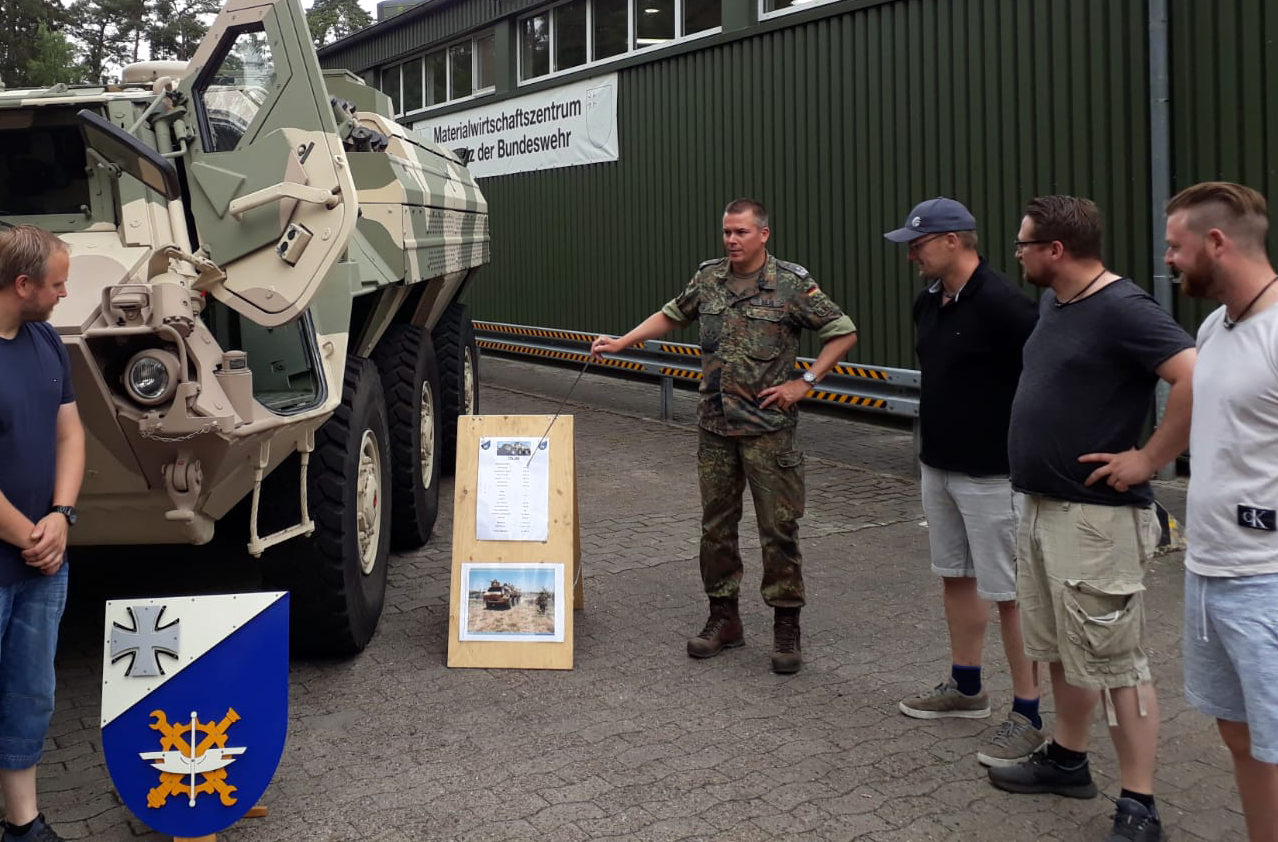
(749,341)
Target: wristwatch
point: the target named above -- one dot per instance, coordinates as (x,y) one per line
(809,378)
(66,511)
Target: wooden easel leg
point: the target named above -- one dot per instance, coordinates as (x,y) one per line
(578,588)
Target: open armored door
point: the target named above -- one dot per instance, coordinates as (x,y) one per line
(271,194)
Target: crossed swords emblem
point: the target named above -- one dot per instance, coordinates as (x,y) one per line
(182,759)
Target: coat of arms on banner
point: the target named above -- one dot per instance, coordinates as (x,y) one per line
(194,706)
(600,115)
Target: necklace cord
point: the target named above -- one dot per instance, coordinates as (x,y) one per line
(1230,324)
(1079,294)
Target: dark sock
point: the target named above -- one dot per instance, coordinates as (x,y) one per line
(1027,708)
(1146,800)
(968,679)
(20,829)
(1062,756)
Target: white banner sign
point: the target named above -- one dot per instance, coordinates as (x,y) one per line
(560,127)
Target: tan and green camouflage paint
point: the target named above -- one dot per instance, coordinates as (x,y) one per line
(424,222)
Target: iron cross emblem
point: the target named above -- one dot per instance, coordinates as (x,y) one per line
(144,642)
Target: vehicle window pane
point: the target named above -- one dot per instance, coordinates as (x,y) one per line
(459,70)
(390,86)
(654,22)
(484,63)
(570,34)
(534,46)
(412,85)
(611,31)
(436,78)
(699,15)
(236,91)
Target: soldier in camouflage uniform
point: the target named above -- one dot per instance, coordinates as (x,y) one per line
(751,307)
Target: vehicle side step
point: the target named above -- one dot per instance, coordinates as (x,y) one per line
(257,544)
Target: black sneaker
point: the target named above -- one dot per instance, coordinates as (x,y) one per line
(39,832)
(1042,774)
(1134,821)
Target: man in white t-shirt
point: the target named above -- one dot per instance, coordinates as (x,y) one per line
(1216,241)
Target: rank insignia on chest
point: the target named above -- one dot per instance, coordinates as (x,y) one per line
(194,706)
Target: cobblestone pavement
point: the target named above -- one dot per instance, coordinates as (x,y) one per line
(639,742)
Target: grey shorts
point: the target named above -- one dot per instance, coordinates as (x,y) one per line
(971,529)
(1231,653)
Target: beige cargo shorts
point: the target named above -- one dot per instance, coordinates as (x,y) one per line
(1079,581)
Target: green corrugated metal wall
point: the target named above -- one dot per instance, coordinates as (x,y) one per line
(840,125)
(841,117)
(1225,102)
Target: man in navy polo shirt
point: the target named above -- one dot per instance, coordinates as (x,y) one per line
(41,466)
(971,325)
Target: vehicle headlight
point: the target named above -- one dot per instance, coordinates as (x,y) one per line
(151,376)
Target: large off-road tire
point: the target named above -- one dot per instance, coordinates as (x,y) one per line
(337,576)
(405,358)
(458,356)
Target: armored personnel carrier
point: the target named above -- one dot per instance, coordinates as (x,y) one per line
(262,314)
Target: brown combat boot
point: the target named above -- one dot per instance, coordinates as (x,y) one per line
(787,655)
(723,630)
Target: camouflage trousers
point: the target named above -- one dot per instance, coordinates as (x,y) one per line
(774,471)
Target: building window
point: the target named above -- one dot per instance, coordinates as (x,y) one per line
(390,87)
(436,78)
(654,23)
(485,75)
(460,67)
(768,7)
(573,33)
(412,72)
(611,30)
(457,71)
(534,46)
(570,34)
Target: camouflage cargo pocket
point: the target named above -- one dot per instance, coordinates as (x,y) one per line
(766,332)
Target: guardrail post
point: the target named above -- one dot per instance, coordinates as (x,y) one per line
(667,398)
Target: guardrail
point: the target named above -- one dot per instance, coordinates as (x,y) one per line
(892,391)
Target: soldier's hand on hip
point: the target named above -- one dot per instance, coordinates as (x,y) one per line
(784,396)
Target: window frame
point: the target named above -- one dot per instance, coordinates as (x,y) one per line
(789,10)
(591,61)
(444,48)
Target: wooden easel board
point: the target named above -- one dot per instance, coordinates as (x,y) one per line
(562,545)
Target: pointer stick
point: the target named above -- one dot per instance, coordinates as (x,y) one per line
(557,411)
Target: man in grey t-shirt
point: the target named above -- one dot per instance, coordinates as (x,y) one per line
(1088,526)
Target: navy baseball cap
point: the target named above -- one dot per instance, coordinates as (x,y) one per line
(933,216)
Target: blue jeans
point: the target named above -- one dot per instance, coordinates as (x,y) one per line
(30,611)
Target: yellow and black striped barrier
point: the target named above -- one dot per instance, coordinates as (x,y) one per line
(892,391)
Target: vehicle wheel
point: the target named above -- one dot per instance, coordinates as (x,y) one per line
(405,359)
(458,356)
(337,576)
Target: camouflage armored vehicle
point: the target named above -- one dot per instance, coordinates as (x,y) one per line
(501,595)
(262,313)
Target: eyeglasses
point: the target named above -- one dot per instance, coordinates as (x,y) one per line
(915,245)
(1019,245)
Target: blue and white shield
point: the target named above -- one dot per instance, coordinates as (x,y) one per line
(194,706)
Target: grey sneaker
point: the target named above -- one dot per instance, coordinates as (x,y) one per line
(1014,741)
(944,700)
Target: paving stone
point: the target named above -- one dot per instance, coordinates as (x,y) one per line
(639,741)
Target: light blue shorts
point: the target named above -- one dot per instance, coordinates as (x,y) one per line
(30,611)
(1231,653)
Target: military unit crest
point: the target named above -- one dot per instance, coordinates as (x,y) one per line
(194,706)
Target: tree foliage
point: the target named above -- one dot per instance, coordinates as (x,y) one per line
(21,40)
(333,19)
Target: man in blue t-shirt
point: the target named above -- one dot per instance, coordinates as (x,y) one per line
(1088,527)
(41,466)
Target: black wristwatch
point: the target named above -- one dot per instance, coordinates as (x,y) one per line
(66,511)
